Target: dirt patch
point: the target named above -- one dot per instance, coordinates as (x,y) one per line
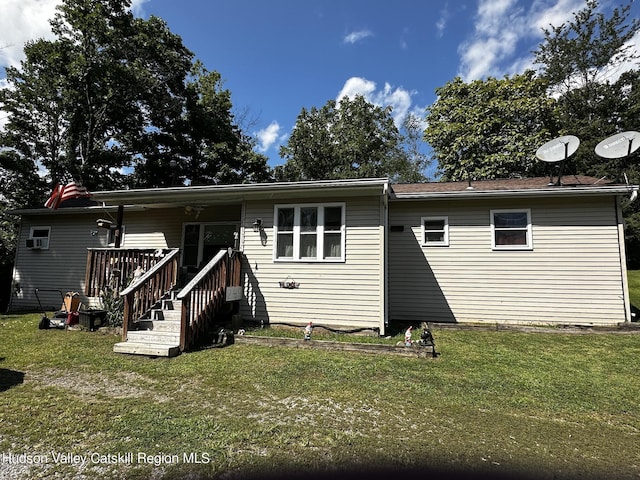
(126,385)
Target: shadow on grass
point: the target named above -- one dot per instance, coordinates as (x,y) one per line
(10,378)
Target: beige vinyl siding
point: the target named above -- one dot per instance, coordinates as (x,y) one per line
(63,265)
(162,228)
(572,274)
(348,293)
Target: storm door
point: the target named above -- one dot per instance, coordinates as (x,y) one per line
(202,241)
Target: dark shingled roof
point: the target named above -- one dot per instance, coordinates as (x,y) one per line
(497,185)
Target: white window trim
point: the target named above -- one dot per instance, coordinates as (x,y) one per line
(319,232)
(528,246)
(111,232)
(48,237)
(443,243)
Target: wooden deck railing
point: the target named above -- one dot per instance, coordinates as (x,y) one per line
(140,296)
(114,267)
(204,296)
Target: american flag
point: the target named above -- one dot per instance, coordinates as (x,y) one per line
(65,192)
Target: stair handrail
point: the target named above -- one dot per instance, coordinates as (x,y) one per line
(147,275)
(205,294)
(200,275)
(158,280)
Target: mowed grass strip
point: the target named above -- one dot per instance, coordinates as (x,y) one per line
(536,404)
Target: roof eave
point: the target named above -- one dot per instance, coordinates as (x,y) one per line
(235,193)
(522,193)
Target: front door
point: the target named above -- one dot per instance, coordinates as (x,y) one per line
(202,241)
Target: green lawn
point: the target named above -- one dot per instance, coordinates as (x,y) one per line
(494,402)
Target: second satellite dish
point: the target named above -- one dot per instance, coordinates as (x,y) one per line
(619,145)
(558,149)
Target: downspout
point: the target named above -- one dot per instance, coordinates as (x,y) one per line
(385,256)
(13,292)
(623,259)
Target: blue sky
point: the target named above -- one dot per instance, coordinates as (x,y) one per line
(278,56)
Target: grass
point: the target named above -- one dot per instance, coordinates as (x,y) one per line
(633,277)
(522,404)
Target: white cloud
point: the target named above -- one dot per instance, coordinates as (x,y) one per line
(544,14)
(503,29)
(398,98)
(21,21)
(354,37)
(441,24)
(269,136)
(137,7)
(25,20)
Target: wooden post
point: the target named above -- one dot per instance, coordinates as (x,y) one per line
(118,232)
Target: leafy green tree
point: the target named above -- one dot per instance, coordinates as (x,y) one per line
(489,129)
(113,91)
(81,104)
(351,138)
(204,144)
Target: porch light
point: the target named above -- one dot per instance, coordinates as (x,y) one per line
(102,223)
(257,225)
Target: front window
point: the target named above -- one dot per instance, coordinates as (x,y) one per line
(511,229)
(309,232)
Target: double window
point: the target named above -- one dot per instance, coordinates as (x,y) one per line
(310,232)
(511,230)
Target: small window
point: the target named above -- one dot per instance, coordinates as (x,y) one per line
(111,240)
(435,231)
(39,238)
(311,232)
(511,229)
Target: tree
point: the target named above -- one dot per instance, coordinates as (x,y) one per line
(86,99)
(580,59)
(489,129)
(351,138)
(112,91)
(204,145)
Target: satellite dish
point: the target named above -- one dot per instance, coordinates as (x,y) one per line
(619,145)
(558,149)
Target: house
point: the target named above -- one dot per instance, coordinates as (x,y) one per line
(346,254)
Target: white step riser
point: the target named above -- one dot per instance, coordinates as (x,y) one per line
(148,336)
(151,350)
(159,325)
(166,315)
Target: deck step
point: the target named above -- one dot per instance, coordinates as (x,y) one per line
(152,336)
(149,349)
(159,314)
(157,334)
(158,325)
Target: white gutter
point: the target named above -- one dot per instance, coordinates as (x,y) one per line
(236,192)
(525,192)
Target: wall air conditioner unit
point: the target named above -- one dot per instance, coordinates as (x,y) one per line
(36,243)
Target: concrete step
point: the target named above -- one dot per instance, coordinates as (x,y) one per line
(152,336)
(150,349)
